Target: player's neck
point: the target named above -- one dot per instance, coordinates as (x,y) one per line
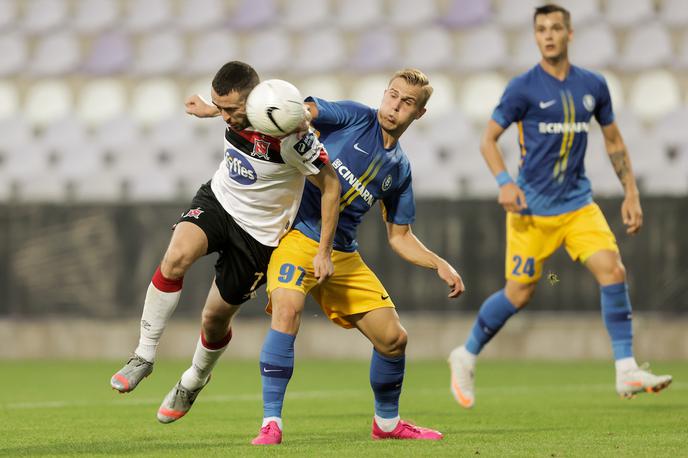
(558,68)
(389,139)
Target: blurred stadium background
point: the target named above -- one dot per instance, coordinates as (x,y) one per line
(97,159)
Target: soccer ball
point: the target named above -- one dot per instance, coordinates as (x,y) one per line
(275,107)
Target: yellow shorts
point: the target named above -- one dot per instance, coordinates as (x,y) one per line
(353,288)
(531,239)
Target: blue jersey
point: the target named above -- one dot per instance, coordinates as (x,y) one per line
(553,121)
(367,172)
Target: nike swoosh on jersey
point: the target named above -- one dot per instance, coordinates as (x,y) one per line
(547,104)
(356,147)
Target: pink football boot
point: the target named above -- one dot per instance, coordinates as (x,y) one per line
(405,430)
(270,434)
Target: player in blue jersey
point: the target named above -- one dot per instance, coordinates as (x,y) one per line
(371,165)
(551,204)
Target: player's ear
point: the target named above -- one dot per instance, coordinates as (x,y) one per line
(421,112)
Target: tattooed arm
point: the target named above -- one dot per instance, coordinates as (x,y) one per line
(631,212)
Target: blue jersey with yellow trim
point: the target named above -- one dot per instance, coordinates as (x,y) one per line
(553,119)
(367,172)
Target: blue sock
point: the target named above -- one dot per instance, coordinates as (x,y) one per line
(386,377)
(494,312)
(276,367)
(616,312)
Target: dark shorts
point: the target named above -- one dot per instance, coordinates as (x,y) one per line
(243,261)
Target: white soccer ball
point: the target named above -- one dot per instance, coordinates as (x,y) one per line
(275,107)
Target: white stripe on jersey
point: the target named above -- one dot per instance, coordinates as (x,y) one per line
(262,197)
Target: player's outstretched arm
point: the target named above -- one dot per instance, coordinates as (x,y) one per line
(511,197)
(631,211)
(330,189)
(195,105)
(404,242)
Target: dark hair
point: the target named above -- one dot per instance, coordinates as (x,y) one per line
(235,76)
(552,8)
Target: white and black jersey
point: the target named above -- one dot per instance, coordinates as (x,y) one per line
(260,180)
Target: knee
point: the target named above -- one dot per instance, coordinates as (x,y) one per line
(175,263)
(394,345)
(215,324)
(520,296)
(617,273)
(285,317)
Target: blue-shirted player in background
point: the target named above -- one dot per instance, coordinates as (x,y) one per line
(363,146)
(551,202)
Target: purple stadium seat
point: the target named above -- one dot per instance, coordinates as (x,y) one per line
(467,13)
(251,14)
(110,53)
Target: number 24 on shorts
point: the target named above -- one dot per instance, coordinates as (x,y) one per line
(287,272)
(528,267)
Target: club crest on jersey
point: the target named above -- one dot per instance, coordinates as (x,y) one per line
(193,213)
(261,149)
(589,102)
(239,168)
(387,182)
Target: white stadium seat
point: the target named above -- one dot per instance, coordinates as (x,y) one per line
(516,14)
(624,13)
(615,89)
(369,89)
(526,53)
(160,53)
(648,47)
(56,54)
(654,94)
(582,11)
(306,14)
(14,52)
(429,48)
(412,13)
(480,94)
(359,14)
(376,49)
(268,50)
(9,100)
(155,100)
(674,13)
(481,48)
(101,100)
(322,50)
(47,101)
(209,51)
(8,14)
(147,16)
(594,46)
(327,87)
(201,15)
(41,16)
(92,16)
(442,103)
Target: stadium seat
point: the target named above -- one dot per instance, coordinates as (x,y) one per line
(306,14)
(429,48)
(209,51)
(327,87)
(516,14)
(16,133)
(117,133)
(160,53)
(672,181)
(110,53)
(672,129)
(466,13)
(42,16)
(647,47)
(359,14)
(92,16)
(622,13)
(594,46)
(654,94)
(582,11)
(615,89)
(680,60)
(432,177)
(480,94)
(13,49)
(155,100)
(47,101)
(376,49)
(8,14)
(101,185)
(201,15)
(167,133)
(525,53)
(268,50)
(674,13)
(252,14)
(65,133)
(29,170)
(369,89)
(56,54)
(9,100)
(101,100)
(322,50)
(412,14)
(147,16)
(481,48)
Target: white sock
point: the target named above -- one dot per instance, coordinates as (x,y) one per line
(467,355)
(625,364)
(387,424)
(202,364)
(157,310)
(267,420)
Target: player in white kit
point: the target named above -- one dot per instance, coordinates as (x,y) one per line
(241,214)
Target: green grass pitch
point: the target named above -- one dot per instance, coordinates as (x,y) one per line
(541,409)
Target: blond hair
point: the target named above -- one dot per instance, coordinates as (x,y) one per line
(415,77)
